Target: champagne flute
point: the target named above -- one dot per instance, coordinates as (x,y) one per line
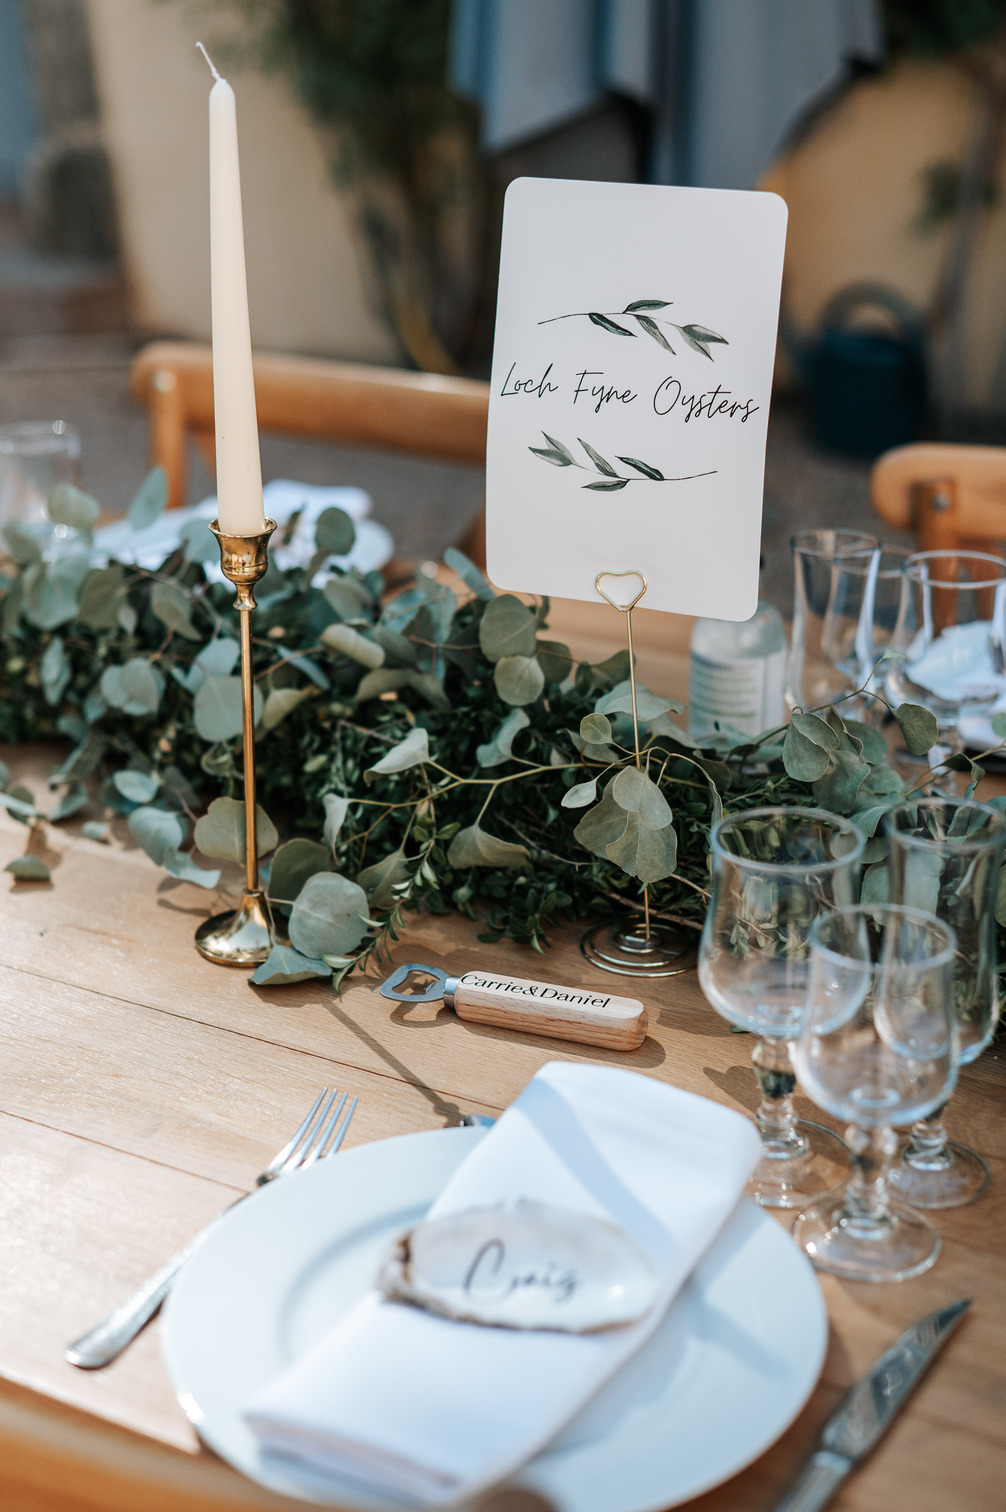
(774,871)
(877,1046)
(945,855)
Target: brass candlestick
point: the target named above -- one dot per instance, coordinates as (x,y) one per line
(655,950)
(243,937)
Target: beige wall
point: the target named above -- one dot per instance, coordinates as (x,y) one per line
(304,282)
(853,188)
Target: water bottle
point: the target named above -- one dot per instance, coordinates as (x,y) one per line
(736,674)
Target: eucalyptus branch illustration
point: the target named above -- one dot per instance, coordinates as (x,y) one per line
(560,456)
(698,337)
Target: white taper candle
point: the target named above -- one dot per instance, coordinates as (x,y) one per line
(239,467)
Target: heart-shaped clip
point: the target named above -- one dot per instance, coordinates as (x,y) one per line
(622,608)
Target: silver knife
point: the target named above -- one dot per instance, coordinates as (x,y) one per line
(867,1411)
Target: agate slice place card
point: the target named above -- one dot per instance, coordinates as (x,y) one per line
(632,374)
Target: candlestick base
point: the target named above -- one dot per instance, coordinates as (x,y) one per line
(241,938)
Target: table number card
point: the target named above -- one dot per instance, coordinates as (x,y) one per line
(632,373)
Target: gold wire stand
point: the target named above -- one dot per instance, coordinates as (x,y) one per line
(654,950)
(244,936)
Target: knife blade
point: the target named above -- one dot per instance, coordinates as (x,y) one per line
(868,1409)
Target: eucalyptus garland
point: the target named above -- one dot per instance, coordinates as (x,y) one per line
(432,749)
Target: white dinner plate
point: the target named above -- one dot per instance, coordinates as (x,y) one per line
(723,1376)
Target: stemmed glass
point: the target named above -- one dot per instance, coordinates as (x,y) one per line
(774,871)
(950,636)
(877,1046)
(833,571)
(945,856)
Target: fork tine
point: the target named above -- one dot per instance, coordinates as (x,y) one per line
(324,1134)
(304,1153)
(279,1161)
(342,1131)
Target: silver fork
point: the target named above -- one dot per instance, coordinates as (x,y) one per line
(320,1135)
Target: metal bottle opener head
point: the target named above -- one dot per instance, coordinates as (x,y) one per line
(442,985)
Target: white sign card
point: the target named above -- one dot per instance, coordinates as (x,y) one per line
(632,374)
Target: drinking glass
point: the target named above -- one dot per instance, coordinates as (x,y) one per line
(826,653)
(774,871)
(945,856)
(950,638)
(877,1046)
(35,456)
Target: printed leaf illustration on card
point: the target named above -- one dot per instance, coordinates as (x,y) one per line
(632,372)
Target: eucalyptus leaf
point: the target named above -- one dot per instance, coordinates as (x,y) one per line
(23,543)
(381,680)
(507,628)
(580,794)
(648,705)
(173,607)
(468,573)
(638,794)
(555,660)
(50,597)
(598,461)
(603,825)
(349,642)
(29,869)
(646,304)
(519,679)
(595,728)
(70,506)
(150,499)
(280,702)
(159,832)
(998,723)
(652,329)
(329,917)
(70,802)
(138,787)
(96,830)
(429,686)
(649,854)
(408,753)
(284,965)
(219,656)
(100,597)
(380,880)
(336,809)
(199,541)
(348,597)
(473,846)
(804,759)
(335,533)
(55,671)
(918,726)
(500,748)
(136,688)
(181,865)
(596,318)
(220,832)
(218,710)
(292,865)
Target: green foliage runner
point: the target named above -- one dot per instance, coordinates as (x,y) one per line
(434,749)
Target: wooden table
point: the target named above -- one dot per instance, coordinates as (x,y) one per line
(142,1089)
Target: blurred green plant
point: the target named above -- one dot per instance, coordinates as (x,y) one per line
(372,74)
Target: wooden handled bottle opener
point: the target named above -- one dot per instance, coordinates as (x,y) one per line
(571,1013)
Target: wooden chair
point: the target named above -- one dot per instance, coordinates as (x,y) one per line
(419,413)
(951,496)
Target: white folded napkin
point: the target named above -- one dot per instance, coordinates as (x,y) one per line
(415,1405)
(282,498)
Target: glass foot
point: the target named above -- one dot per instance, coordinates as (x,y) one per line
(892,1246)
(791,1174)
(940,1183)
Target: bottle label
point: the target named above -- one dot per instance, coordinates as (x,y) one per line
(742,692)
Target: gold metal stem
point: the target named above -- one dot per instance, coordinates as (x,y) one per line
(245,936)
(248,720)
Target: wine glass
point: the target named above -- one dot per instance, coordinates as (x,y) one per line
(945,856)
(877,1046)
(950,638)
(832,570)
(774,871)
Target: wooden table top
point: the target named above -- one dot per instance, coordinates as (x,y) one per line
(143,1088)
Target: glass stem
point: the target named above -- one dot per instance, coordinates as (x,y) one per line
(927,1147)
(776,1116)
(871,1152)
